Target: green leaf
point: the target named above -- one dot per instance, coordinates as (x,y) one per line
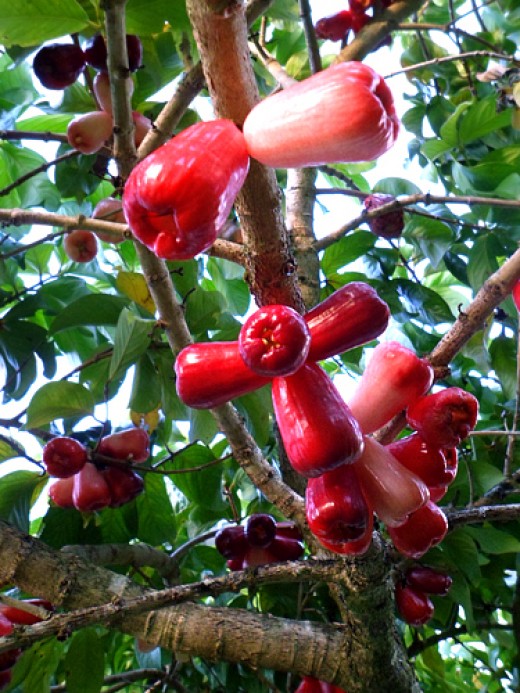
(16,493)
(36,668)
(7,450)
(200,486)
(503,360)
(202,426)
(85,662)
(346,250)
(156,520)
(481,119)
(146,387)
(31,22)
(482,260)
(461,549)
(422,303)
(432,237)
(59,400)
(93,309)
(132,339)
(494,541)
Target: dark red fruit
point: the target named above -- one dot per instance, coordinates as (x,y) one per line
(234,563)
(424,528)
(428,580)
(388,225)
(352,548)
(516,295)
(80,245)
(96,53)
(132,445)
(124,485)
(60,492)
(90,491)
(63,457)
(231,542)
(59,65)
(335,27)
(23,618)
(285,548)
(289,530)
(426,461)
(6,626)
(415,607)
(260,530)
(257,555)
(7,661)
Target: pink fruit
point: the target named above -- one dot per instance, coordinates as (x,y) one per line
(80,245)
(88,132)
(90,491)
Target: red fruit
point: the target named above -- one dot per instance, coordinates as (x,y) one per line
(257,555)
(231,542)
(23,618)
(60,492)
(109,209)
(124,485)
(424,528)
(359,20)
(286,549)
(388,225)
(343,113)
(211,373)
(352,548)
(437,493)
(88,132)
(289,530)
(444,418)
(101,85)
(274,340)
(96,53)
(309,685)
(393,379)
(132,445)
(59,65)
(350,317)
(64,457)
(179,197)
(6,626)
(335,507)
(90,491)
(391,489)
(234,563)
(516,295)
(359,6)
(260,530)
(415,607)
(142,126)
(6,674)
(317,428)
(80,245)
(335,27)
(428,580)
(425,461)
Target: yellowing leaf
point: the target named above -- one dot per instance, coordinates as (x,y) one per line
(516,118)
(150,420)
(133,285)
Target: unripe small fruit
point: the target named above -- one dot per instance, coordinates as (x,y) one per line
(101,85)
(80,245)
(63,457)
(88,132)
(389,225)
(59,65)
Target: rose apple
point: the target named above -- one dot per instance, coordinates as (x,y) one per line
(428,580)
(132,445)
(424,528)
(426,461)
(90,491)
(80,245)
(516,295)
(415,607)
(211,373)
(178,198)
(388,225)
(23,618)
(6,626)
(260,530)
(357,547)
(110,209)
(96,53)
(289,530)
(318,430)
(59,65)
(274,340)
(88,132)
(393,379)
(64,456)
(124,485)
(350,317)
(60,492)
(335,27)
(343,113)
(231,542)
(286,549)
(101,87)
(142,126)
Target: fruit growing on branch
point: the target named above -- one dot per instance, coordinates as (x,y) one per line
(311,685)
(274,340)
(90,491)
(124,485)
(63,457)
(80,245)
(343,113)
(96,53)
(59,65)
(414,606)
(260,530)
(20,617)
(428,580)
(389,225)
(178,198)
(335,27)
(132,445)
(88,132)
(428,462)
(60,492)
(424,529)
(109,209)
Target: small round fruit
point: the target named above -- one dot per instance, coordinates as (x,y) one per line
(428,580)
(110,209)
(96,53)
(415,607)
(60,492)
(88,132)
(63,457)
(388,225)
(59,65)
(231,543)
(132,444)
(80,245)
(260,530)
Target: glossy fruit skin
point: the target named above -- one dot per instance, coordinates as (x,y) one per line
(516,295)
(391,489)
(88,132)
(96,53)
(415,607)
(286,549)
(132,445)
(350,317)
(393,379)
(109,209)
(63,457)
(335,27)
(388,225)
(426,461)
(289,530)
(23,618)
(424,528)
(352,548)
(59,65)
(178,198)
(124,485)
(428,580)
(311,685)
(6,626)
(274,340)
(444,418)
(60,492)
(316,438)
(260,530)
(102,92)
(80,245)
(211,373)
(343,113)
(90,491)
(335,506)
(231,542)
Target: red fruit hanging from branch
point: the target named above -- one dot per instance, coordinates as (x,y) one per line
(425,528)
(389,225)
(88,132)
(132,445)
(179,197)
(334,27)
(415,607)
(59,65)
(317,428)
(344,113)
(394,377)
(356,547)
(90,491)
(96,53)
(428,580)
(63,456)
(428,462)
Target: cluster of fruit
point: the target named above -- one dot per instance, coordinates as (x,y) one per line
(337,27)
(10,616)
(260,540)
(311,685)
(89,486)
(413,590)
(81,245)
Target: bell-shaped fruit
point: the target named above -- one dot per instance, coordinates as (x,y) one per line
(20,617)
(124,485)
(59,65)
(110,209)
(424,528)
(60,492)
(178,198)
(231,542)
(335,27)
(350,317)
(90,491)
(357,547)
(343,113)
(80,245)
(425,461)
(415,607)
(428,580)
(391,489)
(96,53)
(285,548)
(389,225)
(211,373)
(393,378)
(88,132)
(63,456)
(257,555)
(444,418)
(335,507)
(289,530)
(101,86)
(274,340)
(318,430)
(260,530)
(132,445)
